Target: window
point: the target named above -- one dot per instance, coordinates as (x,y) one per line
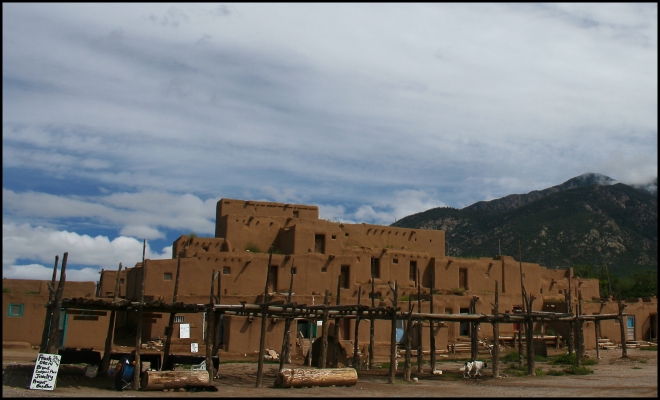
(15,310)
(395,261)
(413,271)
(272,282)
(296,214)
(462,278)
(375,267)
(334,237)
(319,244)
(226,270)
(167,276)
(345,277)
(121,281)
(178,318)
(293,271)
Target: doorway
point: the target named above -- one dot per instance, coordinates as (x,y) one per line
(464,329)
(631,328)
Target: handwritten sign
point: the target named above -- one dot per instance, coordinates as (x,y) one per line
(194,347)
(184,331)
(45,372)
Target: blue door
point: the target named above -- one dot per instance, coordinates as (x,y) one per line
(631,328)
(62,327)
(399,330)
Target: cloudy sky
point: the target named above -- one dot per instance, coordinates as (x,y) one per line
(124,122)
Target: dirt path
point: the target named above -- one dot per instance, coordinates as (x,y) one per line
(613,376)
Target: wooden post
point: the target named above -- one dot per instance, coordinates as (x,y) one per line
(569,309)
(138,337)
(597,331)
(336,332)
(531,366)
(49,309)
(207,339)
(393,333)
(420,352)
(622,327)
(496,335)
(170,324)
(431,324)
(407,368)
(324,332)
(264,312)
(356,358)
(54,337)
(580,325)
(474,336)
(524,300)
(371,322)
(105,362)
(286,342)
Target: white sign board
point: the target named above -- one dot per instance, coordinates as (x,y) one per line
(45,372)
(194,347)
(184,331)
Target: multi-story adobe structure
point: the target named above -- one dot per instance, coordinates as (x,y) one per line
(319,254)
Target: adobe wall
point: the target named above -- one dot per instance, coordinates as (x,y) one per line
(108,281)
(34,295)
(226,207)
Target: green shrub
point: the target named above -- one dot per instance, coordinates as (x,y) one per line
(575,370)
(6,290)
(568,359)
(252,248)
(651,348)
(556,372)
(510,356)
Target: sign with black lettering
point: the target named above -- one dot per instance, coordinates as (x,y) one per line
(45,372)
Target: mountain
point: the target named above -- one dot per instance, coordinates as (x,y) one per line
(589,219)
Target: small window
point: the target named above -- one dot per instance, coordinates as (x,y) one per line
(296,214)
(346,234)
(395,261)
(375,267)
(324,269)
(15,310)
(345,277)
(178,318)
(334,237)
(462,278)
(413,272)
(293,271)
(319,244)
(121,281)
(226,270)
(167,276)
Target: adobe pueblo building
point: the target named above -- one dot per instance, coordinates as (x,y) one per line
(290,244)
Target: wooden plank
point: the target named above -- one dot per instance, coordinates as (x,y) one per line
(299,377)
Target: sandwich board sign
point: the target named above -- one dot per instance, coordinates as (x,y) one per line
(45,372)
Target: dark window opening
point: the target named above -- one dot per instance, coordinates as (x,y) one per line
(226,270)
(345,277)
(272,282)
(121,281)
(375,267)
(296,214)
(15,310)
(463,278)
(413,272)
(319,244)
(167,276)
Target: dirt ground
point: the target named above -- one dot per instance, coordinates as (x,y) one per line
(636,376)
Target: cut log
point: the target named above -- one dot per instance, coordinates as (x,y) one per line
(298,377)
(159,380)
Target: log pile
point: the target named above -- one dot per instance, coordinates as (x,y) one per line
(160,380)
(299,377)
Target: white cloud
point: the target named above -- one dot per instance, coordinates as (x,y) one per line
(38,271)
(43,244)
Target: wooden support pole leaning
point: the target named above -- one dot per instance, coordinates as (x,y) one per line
(49,309)
(431,324)
(324,332)
(207,339)
(356,358)
(286,341)
(105,362)
(138,336)
(170,324)
(496,334)
(597,331)
(420,352)
(569,309)
(264,312)
(336,332)
(54,337)
(395,302)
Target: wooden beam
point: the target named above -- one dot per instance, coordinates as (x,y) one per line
(105,362)
(395,302)
(138,337)
(496,335)
(420,352)
(264,312)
